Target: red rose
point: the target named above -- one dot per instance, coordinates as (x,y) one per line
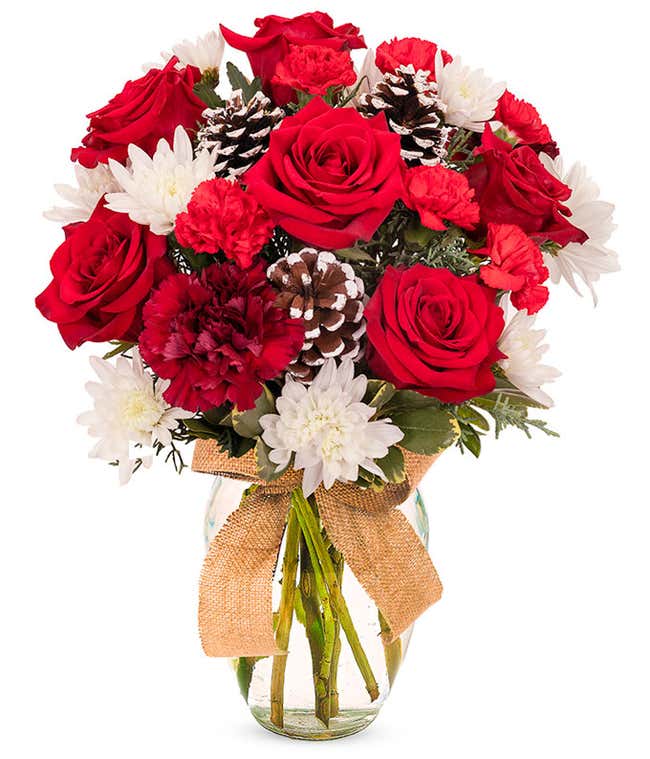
(217,336)
(434,332)
(314,69)
(516,265)
(523,121)
(410,50)
(513,187)
(103,273)
(147,109)
(330,177)
(275,33)
(221,216)
(439,194)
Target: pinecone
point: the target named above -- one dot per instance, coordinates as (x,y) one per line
(240,132)
(414,111)
(327,294)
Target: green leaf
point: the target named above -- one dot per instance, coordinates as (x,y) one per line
(392,465)
(471,441)
(472,417)
(426,430)
(247,423)
(121,346)
(239,82)
(265,467)
(204,90)
(407,400)
(229,441)
(378,393)
(354,254)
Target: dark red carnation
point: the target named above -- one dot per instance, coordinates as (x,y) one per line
(330,176)
(440,194)
(314,69)
(434,332)
(147,109)
(522,120)
(516,265)
(410,50)
(222,217)
(102,274)
(513,187)
(274,35)
(218,336)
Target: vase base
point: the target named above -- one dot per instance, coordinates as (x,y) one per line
(301,724)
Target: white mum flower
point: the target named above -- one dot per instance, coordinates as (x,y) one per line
(156,189)
(204,52)
(524,348)
(369,76)
(328,428)
(128,409)
(471,98)
(591,258)
(92,185)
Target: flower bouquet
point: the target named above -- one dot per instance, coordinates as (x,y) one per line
(323,277)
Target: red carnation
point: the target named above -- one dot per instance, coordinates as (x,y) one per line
(275,33)
(516,265)
(439,194)
(147,109)
(523,121)
(102,274)
(221,216)
(314,69)
(410,50)
(218,336)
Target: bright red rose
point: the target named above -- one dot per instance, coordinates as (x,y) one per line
(420,53)
(330,176)
(314,69)
(440,194)
(218,336)
(522,120)
(275,33)
(434,332)
(221,216)
(103,273)
(147,109)
(516,265)
(513,187)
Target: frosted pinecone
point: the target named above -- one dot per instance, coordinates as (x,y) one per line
(239,132)
(327,294)
(414,111)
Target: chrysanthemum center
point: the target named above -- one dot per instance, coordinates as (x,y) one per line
(139,410)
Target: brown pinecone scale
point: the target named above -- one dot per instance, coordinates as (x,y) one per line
(414,111)
(326,293)
(239,132)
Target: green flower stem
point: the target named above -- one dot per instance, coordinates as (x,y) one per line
(392,651)
(337,560)
(285,617)
(312,529)
(310,609)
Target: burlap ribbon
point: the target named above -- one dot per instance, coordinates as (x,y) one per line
(375,538)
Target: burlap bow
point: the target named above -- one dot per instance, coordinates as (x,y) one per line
(375,538)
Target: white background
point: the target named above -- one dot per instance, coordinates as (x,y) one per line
(539,647)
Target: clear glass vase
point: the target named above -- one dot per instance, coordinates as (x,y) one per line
(337,672)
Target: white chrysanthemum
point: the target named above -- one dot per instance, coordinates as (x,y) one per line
(328,428)
(156,189)
(590,259)
(471,98)
(369,75)
(128,409)
(204,52)
(524,347)
(92,184)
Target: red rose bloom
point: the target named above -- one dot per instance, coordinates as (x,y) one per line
(434,332)
(330,176)
(513,187)
(439,194)
(523,121)
(516,265)
(314,69)
(217,336)
(146,110)
(410,50)
(275,33)
(221,216)
(103,273)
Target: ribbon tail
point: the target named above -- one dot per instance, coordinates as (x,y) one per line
(388,560)
(235,603)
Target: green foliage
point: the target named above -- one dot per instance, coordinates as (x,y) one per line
(378,393)
(247,423)
(428,430)
(205,89)
(120,347)
(217,425)
(239,82)
(265,467)
(185,259)
(392,465)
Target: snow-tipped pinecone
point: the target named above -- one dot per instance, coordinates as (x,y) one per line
(239,132)
(326,293)
(414,111)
